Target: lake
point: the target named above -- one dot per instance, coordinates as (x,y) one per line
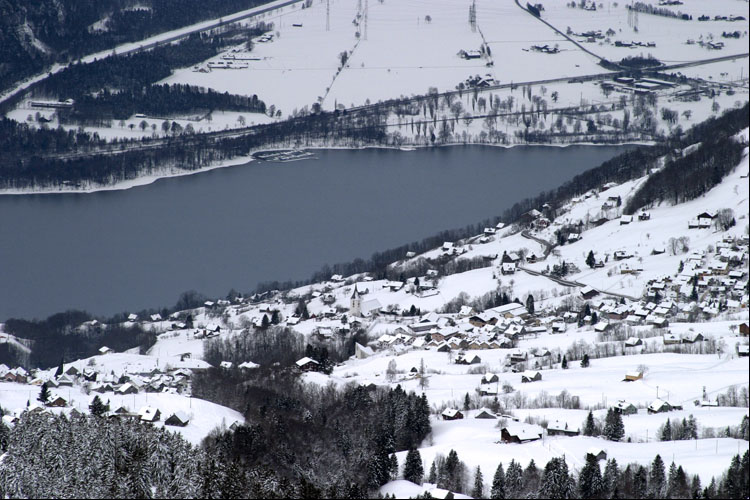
(116,251)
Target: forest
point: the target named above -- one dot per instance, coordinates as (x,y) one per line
(157,100)
(64,337)
(81,456)
(62,27)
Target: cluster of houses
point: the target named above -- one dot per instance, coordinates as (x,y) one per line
(146,414)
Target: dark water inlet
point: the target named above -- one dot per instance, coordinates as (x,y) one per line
(117,251)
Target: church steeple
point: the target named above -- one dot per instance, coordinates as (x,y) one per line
(355,303)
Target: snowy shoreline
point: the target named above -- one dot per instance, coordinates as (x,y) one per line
(167,173)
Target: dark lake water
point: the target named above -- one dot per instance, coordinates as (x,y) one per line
(118,251)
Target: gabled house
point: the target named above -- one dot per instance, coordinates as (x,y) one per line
(532,376)
(452,414)
(520,433)
(558,428)
(624,408)
(178,419)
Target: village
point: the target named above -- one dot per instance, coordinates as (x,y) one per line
(512,341)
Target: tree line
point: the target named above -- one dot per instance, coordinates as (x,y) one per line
(63,28)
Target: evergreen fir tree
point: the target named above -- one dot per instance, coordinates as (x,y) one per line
(59,371)
(590,483)
(564,363)
(614,429)
(498,483)
(556,480)
(478,490)
(43,394)
(467,402)
(657,478)
(413,470)
(590,260)
(432,478)
(530,304)
(513,480)
(531,479)
(97,407)
(585,361)
(666,432)
(610,478)
(640,482)
(589,427)
(695,487)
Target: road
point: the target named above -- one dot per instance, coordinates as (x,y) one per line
(573,284)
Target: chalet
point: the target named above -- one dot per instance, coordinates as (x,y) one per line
(307,365)
(671,338)
(226,365)
(489,378)
(472,359)
(132,317)
(644,215)
(127,388)
(443,347)
(519,356)
(531,377)
(508,268)
(520,433)
(452,414)
(624,408)
(633,342)
(57,402)
(573,237)
(691,338)
(559,327)
(155,317)
(485,413)
(588,292)
(743,350)
(488,390)
(601,327)
(362,352)
(659,406)
(64,380)
(633,376)
(105,350)
(626,219)
(149,414)
(558,428)
(596,453)
(178,419)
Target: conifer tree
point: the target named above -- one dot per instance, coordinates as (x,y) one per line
(43,394)
(413,469)
(556,481)
(530,479)
(589,427)
(666,432)
(97,407)
(590,260)
(498,483)
(530,304)
(467,402)
(614,429)
(590,483)
(657,478)
(432,478)
(59,370)
(610,478)
(478,490)
(564,363)
(513,480)
(585,361)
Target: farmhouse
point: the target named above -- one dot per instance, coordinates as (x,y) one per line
(597,453)
(624,408)
(520,433)
(558,428)
(178,419)
(533,376)
(633,376)
(659,406)
(307,365)
(149,414)
(485,413)
(452,414)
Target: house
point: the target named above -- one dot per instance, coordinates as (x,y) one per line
(624,408)
(248,365)
(558,428)
(601,327)
(596,453)
(744,330)
(105,350)
(659,406)
(743,350)
(149,414)
(691,338)
(671,338)
(307,365)
(626,219)
(57,402)
(485,413)
(452,414)
(573,237)
(127,388)
(644,215)
(519,356)
(588,292)
(473,359)
(178,419)
(489,378)
(520,433)
(507,268)
(156,317)
(633,376)
(532,376)
(226,365)
(633,342)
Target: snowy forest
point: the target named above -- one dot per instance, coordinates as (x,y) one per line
(272,457)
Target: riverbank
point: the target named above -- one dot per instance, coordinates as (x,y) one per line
(169,172)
